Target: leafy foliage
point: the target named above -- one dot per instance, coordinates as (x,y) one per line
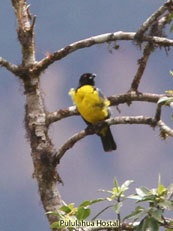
(148,217)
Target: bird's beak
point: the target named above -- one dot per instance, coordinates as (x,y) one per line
(94,75)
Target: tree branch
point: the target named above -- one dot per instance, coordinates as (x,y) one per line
(9,66)
(142,65)
(42,147)
(165,129)
(61,114)
(25,30)
(114,100)
(156,29)
(112,121)
(133,96)
(120,35)
(144,27)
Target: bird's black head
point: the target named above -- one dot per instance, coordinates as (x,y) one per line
(87,79)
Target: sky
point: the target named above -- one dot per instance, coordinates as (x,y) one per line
(141,153)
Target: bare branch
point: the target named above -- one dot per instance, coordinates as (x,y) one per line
(111,121)
(61,114)
(9,66)
(142,65)
(25,30)
(131,120)
(144,27)
(164,128)
(69,144)
(120,35)
(133,96)
(156,29)
(158,112)
(114,100)
(94,129)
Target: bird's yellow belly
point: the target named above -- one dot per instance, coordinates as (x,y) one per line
(90,105)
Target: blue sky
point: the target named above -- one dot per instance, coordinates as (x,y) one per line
(141,153)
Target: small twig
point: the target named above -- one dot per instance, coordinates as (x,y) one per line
(144,27)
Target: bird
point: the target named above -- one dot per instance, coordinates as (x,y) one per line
(93,107)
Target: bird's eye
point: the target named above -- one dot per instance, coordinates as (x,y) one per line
(85,76)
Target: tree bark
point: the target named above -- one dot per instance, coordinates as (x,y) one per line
(42,149)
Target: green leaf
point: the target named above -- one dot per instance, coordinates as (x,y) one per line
(162,100)
(142,191)
(150,198)
(71,206)
(87,202)
(157,214)
(53,213)
(65,209)
(152,224)
(126,184)
(56,225)
(116,183)
(115,190)
(148,224)
(138,213)
(83,213)
(134,197)
(165,100)
(161,189)
(166,204)
(117,207)
(105,191)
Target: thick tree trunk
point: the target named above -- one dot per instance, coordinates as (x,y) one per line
(42,150)
(35,117)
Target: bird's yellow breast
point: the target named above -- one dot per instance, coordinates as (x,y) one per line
(92,107)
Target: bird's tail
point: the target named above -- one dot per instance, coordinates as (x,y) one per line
(107,139)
